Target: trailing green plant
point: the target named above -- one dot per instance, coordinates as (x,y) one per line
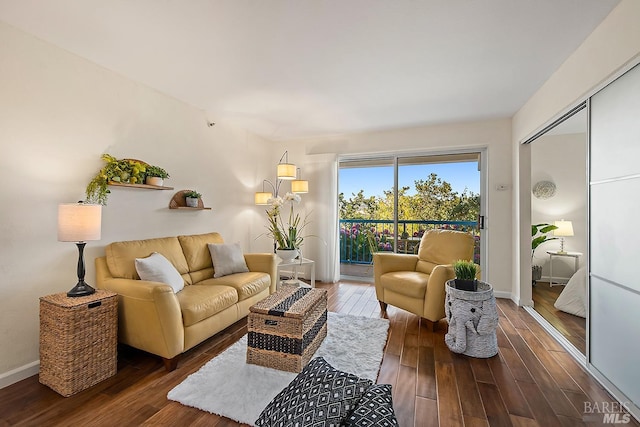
(539,235)
(192,194)
(157,171)
(123,171)
(465,270)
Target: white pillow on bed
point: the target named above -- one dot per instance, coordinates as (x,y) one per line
(573,298)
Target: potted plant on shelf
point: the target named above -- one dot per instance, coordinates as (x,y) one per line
(191,198)
(127,171)
(465,275)
(156,175)
(539,236)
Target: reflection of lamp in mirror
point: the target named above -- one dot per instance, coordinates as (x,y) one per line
(565,229)
(79,222)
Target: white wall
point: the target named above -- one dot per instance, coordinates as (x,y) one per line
(58,114)
(612,47)
(561,159)
(492,134)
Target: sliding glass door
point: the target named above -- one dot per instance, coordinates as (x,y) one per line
(388,203)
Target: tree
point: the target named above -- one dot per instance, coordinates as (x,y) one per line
(358,206)
(434,199)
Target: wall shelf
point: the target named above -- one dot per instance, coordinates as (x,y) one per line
(178,201)
(143,186)
(190,208)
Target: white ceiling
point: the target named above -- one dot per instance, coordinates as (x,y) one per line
(291,68)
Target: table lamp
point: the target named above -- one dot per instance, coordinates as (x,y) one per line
(79,222)
(565,229)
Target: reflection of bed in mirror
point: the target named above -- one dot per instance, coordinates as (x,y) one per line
(573,298)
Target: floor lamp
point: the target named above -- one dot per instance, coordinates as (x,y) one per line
(79,222)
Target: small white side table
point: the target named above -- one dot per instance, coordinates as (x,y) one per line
(576,260)
(295,263)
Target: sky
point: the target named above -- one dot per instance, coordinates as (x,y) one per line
(375,180)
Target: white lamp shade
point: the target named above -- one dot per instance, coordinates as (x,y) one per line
(78,222)
(565,228)
(262,198)
(286,171)
(299,186)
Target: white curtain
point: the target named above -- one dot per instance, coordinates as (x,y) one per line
(321,204)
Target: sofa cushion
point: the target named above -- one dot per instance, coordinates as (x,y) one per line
(320,395)
(245,284)
(409,283)
(156,268)
(197,253)
(199,302)
(121,256)
(375,409)
(227,259)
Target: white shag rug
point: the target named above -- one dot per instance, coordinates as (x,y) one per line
(230,387)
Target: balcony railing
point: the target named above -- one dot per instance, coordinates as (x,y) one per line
(360,237)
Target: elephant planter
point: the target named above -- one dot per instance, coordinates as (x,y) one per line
(473,318)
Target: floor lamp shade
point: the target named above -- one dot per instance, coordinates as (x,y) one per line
(262,197)
(79,223)
(286,171)
(300,186)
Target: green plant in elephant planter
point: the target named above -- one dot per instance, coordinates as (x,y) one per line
(465,272)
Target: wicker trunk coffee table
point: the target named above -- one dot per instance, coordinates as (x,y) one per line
(287,327)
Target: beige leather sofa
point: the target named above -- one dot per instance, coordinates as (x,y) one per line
(153,318)
(416,283)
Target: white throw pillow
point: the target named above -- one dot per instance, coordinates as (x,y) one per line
(156,268)
(227,259)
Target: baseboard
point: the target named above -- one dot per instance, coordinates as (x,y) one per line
(19,374)
(502,294)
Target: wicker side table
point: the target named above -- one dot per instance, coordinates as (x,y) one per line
(78,340)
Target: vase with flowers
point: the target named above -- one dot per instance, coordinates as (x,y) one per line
(287,235)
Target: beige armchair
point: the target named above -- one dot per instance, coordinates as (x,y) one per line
(416,283)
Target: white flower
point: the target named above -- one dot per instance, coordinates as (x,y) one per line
(276,201)
(292,197)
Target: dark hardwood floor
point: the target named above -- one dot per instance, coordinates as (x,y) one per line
(531,382)
(573,328)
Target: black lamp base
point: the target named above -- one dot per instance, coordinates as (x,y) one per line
(80,290)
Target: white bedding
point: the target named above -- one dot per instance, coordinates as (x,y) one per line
(573,298)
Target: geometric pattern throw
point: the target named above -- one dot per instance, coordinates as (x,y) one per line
(319,396)
(375,409)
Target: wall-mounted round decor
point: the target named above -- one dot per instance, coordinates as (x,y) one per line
(544,189)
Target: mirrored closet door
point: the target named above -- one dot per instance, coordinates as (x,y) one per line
(559,216)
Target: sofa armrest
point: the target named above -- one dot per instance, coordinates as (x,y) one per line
(149,315)
(266,263)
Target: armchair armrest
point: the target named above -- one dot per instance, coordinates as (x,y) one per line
(385,262)
(435,294)
(266,263)
(149,315)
